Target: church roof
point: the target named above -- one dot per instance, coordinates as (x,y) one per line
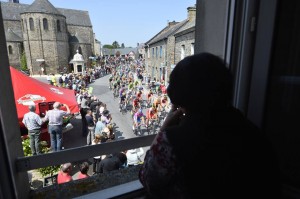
(11,36)
(11,11)
(43,6)
(76,17)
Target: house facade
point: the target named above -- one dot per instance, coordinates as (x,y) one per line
(164,50)
(49,36)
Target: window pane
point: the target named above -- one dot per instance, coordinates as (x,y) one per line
(31,24)
(45,24)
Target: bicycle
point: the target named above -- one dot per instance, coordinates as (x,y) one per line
(137,130)
(122,107)
(153,126)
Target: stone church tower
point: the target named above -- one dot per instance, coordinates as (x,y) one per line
(49,36)
(45,37)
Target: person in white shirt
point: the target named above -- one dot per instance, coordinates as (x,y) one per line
(134,156)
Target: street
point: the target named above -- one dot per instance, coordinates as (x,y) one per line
(123,129)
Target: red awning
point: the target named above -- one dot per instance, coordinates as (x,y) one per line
(28,91)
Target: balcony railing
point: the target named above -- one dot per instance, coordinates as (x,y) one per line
(119,178)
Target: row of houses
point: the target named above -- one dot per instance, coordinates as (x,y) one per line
(169,46)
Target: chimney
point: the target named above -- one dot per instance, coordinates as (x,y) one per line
(191,13)
(172,23)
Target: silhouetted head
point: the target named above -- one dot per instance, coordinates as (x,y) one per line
(200,82)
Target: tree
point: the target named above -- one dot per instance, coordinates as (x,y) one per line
(115,44)
(122,45)
(108,46)
(23,61)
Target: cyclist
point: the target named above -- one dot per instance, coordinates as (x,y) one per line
(122,101)
(138,119)
(130,85)
(152,114)
(122,90)
(157,103)
(139,94)
(136,103)
(164,102)
(149,97)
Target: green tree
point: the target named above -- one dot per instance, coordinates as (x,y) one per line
(122,45)
(23,61)
(108,46)
(115,44)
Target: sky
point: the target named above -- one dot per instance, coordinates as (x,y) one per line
(132,22)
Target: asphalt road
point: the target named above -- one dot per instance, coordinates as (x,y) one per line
(123,121)
(123,129)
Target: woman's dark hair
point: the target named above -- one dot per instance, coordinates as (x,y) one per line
(84,167)
(200,82)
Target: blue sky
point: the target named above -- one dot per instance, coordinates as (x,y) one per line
(132,22)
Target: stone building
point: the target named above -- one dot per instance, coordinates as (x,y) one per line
(49,36)
(170,45)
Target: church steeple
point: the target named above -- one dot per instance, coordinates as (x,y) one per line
(14,1)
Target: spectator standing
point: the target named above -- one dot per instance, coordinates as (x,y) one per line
(33,123)
(83,110)
(64,175)
(83,168)
(90,127)
(53,80)
(49,79)
(55,118)
(100,125)
(106,117)
(98,140)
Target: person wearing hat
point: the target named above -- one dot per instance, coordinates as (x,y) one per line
(55,118)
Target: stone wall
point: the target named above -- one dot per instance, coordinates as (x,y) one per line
(187,40)
(50,45)
(15,57)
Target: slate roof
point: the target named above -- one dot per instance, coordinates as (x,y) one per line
(12,36)
(43,6)
(11,11)
(188,25)
(166,32)
(76,17)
